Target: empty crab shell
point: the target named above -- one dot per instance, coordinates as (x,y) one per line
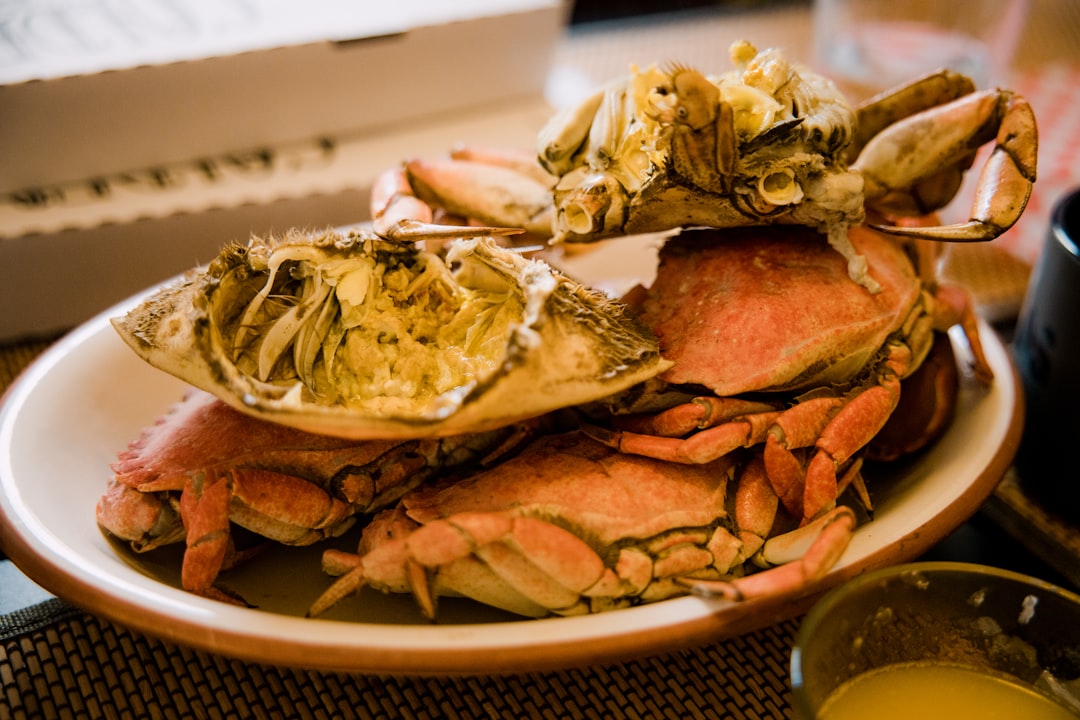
(357,336)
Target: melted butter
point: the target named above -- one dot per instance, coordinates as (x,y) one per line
(930,691)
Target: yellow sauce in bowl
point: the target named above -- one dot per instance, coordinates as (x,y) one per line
(931,691)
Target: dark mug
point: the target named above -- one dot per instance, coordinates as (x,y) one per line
(1047,354)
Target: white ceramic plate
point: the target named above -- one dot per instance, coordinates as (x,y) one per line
(69,414)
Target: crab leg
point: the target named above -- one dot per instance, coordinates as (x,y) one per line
(836,428)
(799,427)
(852,428)
(700,448)
(253,499)
(728,430)
(398,214)
(492,192)
(698,414)
(891,106)
(955,307)
(755,507)
(834,533)
(349,568)
(204,505)
(145,519)
(910,154)
(527,565)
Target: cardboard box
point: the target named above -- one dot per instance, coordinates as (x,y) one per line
(91,87)
(96,243)
(150,170)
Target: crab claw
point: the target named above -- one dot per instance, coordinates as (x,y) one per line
(494,194)
(399,215)
(1004,185)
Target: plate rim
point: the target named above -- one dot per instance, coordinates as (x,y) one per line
(671,625)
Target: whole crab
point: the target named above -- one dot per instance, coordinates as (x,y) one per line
(796,356)
(569,526)
(205,466)
(767,143)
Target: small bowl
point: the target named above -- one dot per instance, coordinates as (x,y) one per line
(999,623)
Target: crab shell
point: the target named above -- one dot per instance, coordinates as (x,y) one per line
(773,310)
(489,337)
(300,486)
(761,144)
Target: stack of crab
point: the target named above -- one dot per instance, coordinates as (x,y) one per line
(512,436)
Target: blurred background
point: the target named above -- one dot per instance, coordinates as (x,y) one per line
(138,137)
(586,11)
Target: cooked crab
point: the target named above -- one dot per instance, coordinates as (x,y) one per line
(204,467)
(368,336)
(769,142)
(570,526)
(796,356)
(362,337)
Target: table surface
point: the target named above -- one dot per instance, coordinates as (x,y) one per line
(56,660)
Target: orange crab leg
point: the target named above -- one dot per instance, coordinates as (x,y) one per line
(755,506)
(853,478)
(698,449)
(520,161)
(261,499)
(254,499)
(351,570)
(146,519)
(798,427)
(836,529)
(698,414)
(786,474)
(389,560)
(852,428)
(953,305)
(204,505)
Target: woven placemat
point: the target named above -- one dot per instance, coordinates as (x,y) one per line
(1035,527)
(15,356)
(82,666)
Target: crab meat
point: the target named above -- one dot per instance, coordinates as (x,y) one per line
(205,466)
(361,337)
(569,527)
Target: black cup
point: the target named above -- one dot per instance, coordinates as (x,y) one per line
(1047,353)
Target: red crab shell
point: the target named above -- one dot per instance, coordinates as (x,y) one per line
(731,322)
(202,432)
(204,467)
